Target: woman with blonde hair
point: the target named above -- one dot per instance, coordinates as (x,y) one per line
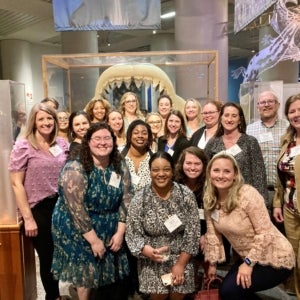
(237,211)
(155,121)
(97,109)
(192,113)
(116,122)
(130,108)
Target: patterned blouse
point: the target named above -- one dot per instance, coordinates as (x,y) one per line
(145,226)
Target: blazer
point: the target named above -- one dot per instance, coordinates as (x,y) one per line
(197,136)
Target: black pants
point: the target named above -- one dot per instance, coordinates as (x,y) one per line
(43,245)
(263,278)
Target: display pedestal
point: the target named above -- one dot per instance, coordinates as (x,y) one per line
(17,264)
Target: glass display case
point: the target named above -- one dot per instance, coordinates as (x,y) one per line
(74,79)
(12,124)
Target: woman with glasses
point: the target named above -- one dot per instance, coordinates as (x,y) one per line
(63,125)
(192,110)
(89,218)
(155,122)
(210,116)
(130,108)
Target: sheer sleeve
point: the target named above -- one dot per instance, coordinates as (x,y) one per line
(127,193)
(74,183)
(213,247)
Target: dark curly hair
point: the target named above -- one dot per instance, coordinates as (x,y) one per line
(180,176)
(85,152)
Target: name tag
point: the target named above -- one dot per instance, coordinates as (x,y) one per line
(266,137)
(215,215)
(295,151)
(135,179)
(173,223)
(201,213)
(114,180)
(171,152)
(234,150)
(55,150)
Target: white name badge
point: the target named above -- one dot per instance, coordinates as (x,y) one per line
(114,180)
(295,151)
(135,179)
(55,150)
(266,137)
(171,152)
(173,223)
(201,213)
(234,150)
(215,215)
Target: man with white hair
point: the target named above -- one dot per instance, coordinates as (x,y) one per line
(268,131)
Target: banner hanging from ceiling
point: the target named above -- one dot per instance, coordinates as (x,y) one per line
(245,11)
(72,15)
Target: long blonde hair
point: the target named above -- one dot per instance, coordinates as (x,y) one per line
(138,112)
(211,193)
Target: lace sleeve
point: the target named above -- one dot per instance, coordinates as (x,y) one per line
(213,247)
(74,185)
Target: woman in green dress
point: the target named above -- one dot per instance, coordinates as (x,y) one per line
(89,219)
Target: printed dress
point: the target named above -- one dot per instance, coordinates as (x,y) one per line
(89,202)
(145,226)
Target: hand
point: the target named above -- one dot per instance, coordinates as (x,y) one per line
(202,243)
(152,254)
(31,228)
(277,214)
(244,275)
(212,271)
(116,242)
(177,274)
(98,248)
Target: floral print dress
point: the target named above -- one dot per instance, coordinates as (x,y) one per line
(89,201)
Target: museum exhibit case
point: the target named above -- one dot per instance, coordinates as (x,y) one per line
(74,79)
(17,260)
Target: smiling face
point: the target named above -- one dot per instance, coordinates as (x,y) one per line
(63,120)
(173,124)
(222,174)
(115,121)
(44,123)
(294,115)
(191,110)
(230,119)
(130,104)
(98,112)
(80,126)
(101,143)
(210,115)
(139,137)
(161,173)
(155,124)
(192,166)
(267,105)
(164,107)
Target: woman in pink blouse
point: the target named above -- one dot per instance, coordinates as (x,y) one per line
(237,211)
(34,167)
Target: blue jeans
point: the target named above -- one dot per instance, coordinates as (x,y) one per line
(263,278)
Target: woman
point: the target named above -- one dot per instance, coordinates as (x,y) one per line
(63,125)
(288,185)
(116,122)
(137,153)
(192,110)
(174,140)
(130,108)
(97,110)
(40,155)
(210,117)
(79,123)
(164,106)
(89,217)
(237,211)
(190,171)
(150,232)
(231,137)
(155,122)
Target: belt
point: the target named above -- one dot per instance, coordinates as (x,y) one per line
(271,188)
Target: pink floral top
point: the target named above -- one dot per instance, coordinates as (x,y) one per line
(41,168)
(250,232)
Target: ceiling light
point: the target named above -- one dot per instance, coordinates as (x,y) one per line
(168,15)
(154,31)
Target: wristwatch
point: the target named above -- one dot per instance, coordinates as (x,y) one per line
(248,262)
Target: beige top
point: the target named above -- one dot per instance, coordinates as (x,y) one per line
(250,232)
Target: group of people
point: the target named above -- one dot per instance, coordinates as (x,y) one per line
(108,195)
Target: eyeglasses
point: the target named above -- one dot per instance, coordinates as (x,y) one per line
(98,139)
(154,122)
(130,101)
(63,119)
(207,113)
(267,102)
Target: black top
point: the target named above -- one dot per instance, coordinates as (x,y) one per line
(197,136)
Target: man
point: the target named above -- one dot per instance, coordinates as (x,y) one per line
(268,131)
